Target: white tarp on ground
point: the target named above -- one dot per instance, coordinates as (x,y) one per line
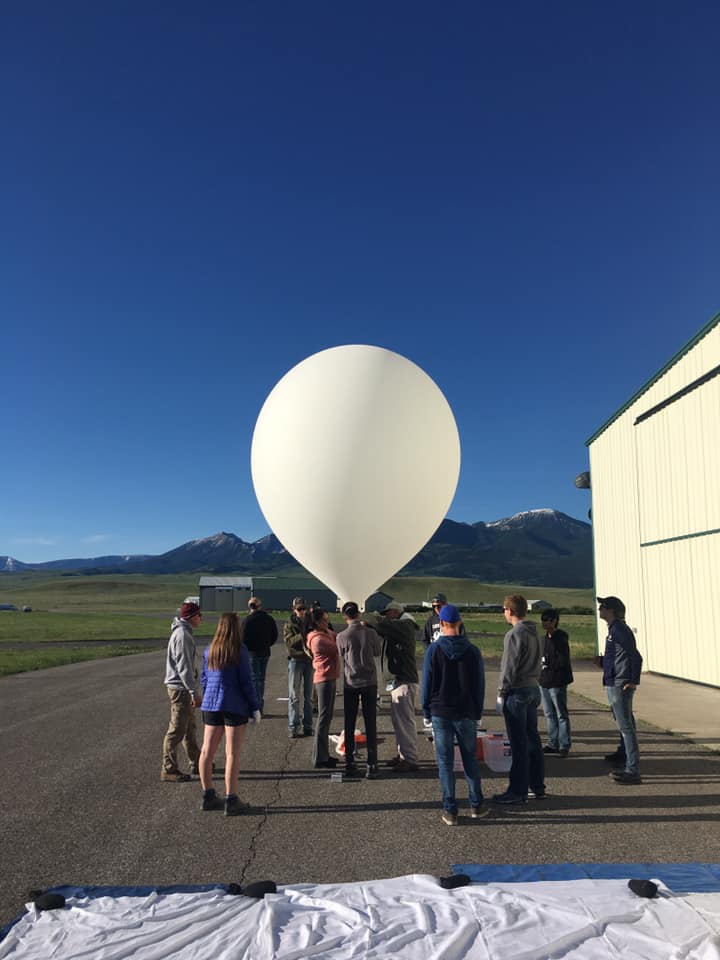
(406,917)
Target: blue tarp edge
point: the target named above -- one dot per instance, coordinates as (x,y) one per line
(679,877)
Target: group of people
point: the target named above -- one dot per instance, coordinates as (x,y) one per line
(534,670)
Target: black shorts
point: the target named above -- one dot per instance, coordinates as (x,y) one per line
(223,718)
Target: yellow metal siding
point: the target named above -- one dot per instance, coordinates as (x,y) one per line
(659,480)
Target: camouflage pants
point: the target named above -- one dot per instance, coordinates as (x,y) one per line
(180,730)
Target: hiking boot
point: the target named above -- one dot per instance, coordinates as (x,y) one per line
(406,766)
(623,776)
(372,772)
(449,818)
(234,806)
(508,799)
(211,801)
(549,749)
(174,776)
(477,813)
(328,764)
(536,794)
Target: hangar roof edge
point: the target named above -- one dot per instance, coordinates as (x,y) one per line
(713,322)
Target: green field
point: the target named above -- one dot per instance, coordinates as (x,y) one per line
(127,607)
(417,589)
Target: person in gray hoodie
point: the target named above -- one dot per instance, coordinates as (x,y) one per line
(453,690)
(185,694)
(358,646)
(519,694)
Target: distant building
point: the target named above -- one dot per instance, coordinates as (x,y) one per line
(537,605)
(654,468)
(377,601)
(225,594)
(277,593)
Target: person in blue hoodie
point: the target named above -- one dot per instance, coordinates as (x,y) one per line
(453,690)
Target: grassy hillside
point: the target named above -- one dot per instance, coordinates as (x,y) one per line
(111,593)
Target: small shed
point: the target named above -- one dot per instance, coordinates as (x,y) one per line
(536,605)
(225,594)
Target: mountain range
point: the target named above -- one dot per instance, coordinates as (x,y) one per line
(534,547)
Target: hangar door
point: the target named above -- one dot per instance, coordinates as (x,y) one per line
(678,476)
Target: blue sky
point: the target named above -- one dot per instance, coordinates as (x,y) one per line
(521,198)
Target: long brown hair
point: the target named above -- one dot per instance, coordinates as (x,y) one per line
(227,642)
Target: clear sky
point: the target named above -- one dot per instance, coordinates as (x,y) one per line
(522,198)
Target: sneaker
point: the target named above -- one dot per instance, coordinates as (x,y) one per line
(394,762)
(536,794)
(294,734)
(351,770)
(307,731)
(477,813)
(563,753)
(372,772)
(174,776)
(623,776)
(234,806)
(617,759)
(549,749)
(405,766)
(328,764)
(212,801)
(449,818)
(508,798)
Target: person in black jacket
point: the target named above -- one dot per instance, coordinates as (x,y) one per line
(259,634)
(555,677)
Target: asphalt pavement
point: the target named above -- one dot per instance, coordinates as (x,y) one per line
(83,803)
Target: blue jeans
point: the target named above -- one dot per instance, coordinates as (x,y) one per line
(444,734)
(528,763)
(621,705)
(300,682)
(554,704)
(259,669)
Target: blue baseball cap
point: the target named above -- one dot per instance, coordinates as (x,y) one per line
(449,613)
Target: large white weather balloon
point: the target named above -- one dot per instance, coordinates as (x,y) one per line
(355,459)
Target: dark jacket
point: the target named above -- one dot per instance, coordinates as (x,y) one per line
(621,661)
(453,682)
(398,647)
(259,633)
(294,637)
(556,669)
(431,630)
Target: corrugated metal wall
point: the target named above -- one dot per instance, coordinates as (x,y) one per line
(656,516)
